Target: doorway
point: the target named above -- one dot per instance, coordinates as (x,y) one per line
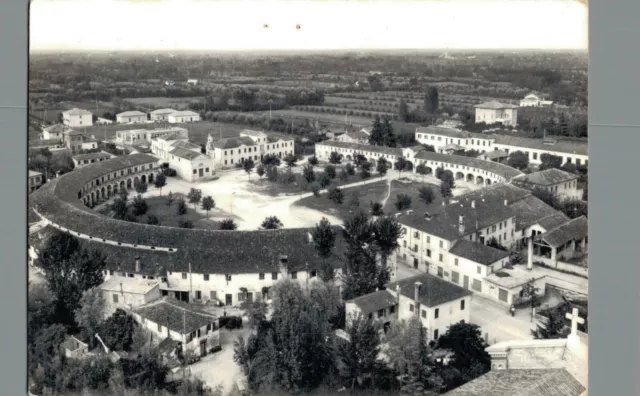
(228,299)
(203,348)
(200,172)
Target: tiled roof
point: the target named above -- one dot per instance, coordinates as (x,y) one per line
(185,145)
(531,210)
(76,111)
(448,132)
(129,285)
(433,292)
(185,153)
(163,111)
(363,148)
(57,128)
(274,137)
(71,132)
(547,177)
(374,301)
(573,229)
(562,145)
(495,154)
(177,316)
(44,143)
(358,135)
(131,114)
(495,105)
(477,252)
(186,113)
(532,382)
(230,143)
(171,136)
(90,156)
(436,159)
(489,209)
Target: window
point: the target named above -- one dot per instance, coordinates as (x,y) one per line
(455,277)
(411,307)
(207,170)
(392,309)
(195,171)
(441,244)
(424,313)
(228,278)
(493,229)
(274,276)
(115,298)
(440,272)
(381,313)
(261,275)
(313,274)
(440,257)
(416,234)
(500,225)
(206,277)
(428,239)
(159,327)
(455,262)
(294,275)
(428,252)
(478,269)
(435,334)
(436,313)
(184,275)
(415,248)
(462,305)
(198,295)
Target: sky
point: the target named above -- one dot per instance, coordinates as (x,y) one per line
(120,25)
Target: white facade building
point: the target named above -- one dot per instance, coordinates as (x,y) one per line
(82,160)
(131,117)
(493,112)
(161,114)
(128,293)
(54,132)
(146,136)
(562,184)
(77,118)
(180,117)
(536,99)
(250,144)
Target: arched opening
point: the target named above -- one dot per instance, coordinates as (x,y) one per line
(136,181)
(488,182)
(459,175)
(115,189)
(150,177)
(143,178)
(479,180)
(98,195)
(469,177)
(109,192)
(129,183)
(121,184)
(103,192)
(429,171)
(349,158)
(409,166)
(93,198)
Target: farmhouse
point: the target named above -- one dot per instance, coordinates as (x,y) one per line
(128,293)
(495,112)
(53,132)
(78,141)
(536,99)
(36,179)
(562,184)
(146,136)
(104,121)
(161,114)
(249,145)
(570,150)
(131,117)
(180,117)
(77,118)
(197,331)
(81,160)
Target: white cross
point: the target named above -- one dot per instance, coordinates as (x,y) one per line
(575,319)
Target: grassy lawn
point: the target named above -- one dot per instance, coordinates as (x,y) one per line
(167,215)
(375,192)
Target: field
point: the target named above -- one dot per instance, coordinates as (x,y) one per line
(50,114)
(335,119)
(198,131)
(375,192)
(167,214)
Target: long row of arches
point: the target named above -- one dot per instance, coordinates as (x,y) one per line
(104,192)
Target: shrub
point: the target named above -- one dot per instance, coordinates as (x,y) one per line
(231,322)
(169,172)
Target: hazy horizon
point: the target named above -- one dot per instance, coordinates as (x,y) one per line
(271,26)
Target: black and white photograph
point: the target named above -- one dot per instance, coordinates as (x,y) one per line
(234,198)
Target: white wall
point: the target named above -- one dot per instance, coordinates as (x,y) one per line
(535,154)
(182,119)
(131,119)
(185,168)
(128,300)
(228,158)
(77,120)
(448,313)
(490,116)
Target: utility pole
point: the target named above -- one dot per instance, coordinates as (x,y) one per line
(190,283)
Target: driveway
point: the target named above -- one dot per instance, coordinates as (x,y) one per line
(494,319)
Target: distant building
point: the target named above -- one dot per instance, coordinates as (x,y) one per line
(536,99)
(493,112)
(180,117)
(128,293)
(81,160)
(161,114)
(192,81)
(197,331)
(229,152)
(54,132)
(78,141)
(359,137)
(77,118)
(141,136)
(131,117)
(562,184)
(36,179)
(103,121)
(496,156)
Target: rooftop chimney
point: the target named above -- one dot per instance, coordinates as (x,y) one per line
(461,224)
(473,204)
(416,294)
(137,264)
(427,216)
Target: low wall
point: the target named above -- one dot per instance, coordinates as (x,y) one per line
(575,269)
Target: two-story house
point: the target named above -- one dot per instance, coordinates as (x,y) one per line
(495,112)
